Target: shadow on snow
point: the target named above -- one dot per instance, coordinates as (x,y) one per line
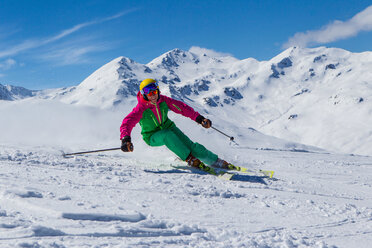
(236,177)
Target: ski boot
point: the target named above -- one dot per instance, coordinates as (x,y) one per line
(193,162)
(220,163)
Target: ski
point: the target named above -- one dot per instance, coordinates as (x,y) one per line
(220,174)
(266,173)
(226,175)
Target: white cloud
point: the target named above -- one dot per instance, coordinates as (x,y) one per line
(7,31)
(72,51)
(7,64)
(68,55)
(209,52)
(86,24)
(30,44)
(337,30)
(26,45)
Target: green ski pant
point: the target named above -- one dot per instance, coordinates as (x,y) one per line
(181,145)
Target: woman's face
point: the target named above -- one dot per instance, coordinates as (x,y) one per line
(153,98)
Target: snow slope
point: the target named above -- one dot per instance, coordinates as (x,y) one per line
(115,200)
(112,199)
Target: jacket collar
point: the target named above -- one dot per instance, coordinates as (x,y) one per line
(143,102)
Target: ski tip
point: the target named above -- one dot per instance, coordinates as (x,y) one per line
(225,176)
(269,174)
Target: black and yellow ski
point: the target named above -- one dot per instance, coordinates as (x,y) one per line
(266,173)
(210,170)
(226,175)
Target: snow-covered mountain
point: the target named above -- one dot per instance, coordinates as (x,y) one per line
(181,74)
(10,93)
(318,96)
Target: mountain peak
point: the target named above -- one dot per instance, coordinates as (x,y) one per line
(172,59)
(10,92)
(124,60)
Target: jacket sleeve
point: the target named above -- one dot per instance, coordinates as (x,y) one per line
(181,108)
(130,121)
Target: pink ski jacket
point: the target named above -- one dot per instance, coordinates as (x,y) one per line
(154,117)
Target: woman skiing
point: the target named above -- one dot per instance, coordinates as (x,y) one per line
(158,130)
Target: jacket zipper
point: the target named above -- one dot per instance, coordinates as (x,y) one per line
(157,111)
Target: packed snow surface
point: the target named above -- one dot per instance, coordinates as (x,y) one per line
(115,200)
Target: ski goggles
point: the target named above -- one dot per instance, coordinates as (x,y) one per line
(147,90)
(153,92)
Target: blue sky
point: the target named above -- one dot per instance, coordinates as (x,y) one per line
(50,44)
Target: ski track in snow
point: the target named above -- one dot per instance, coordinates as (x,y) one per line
(317,200)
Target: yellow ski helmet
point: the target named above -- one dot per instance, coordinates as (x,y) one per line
(146,82)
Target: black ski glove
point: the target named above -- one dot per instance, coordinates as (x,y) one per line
(206,123)
(126,144)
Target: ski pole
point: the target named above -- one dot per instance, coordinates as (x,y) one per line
(231,138)
(78,153)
